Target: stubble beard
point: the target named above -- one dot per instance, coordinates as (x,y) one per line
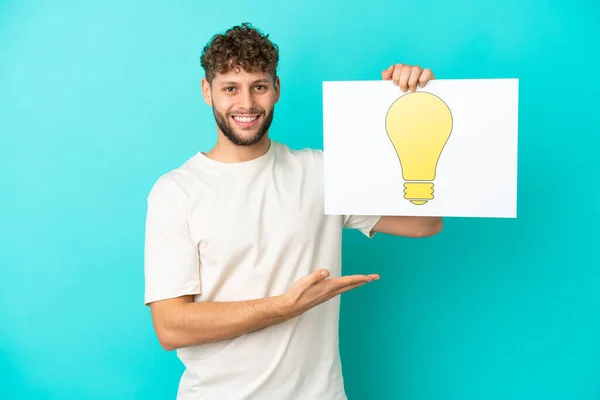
(225,125)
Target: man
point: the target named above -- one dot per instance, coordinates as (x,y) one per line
(242,267)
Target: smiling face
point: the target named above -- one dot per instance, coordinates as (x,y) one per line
(242,103)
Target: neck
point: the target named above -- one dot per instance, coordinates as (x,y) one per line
(227,152)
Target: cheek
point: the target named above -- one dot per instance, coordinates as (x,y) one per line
(221,105)
(268,102)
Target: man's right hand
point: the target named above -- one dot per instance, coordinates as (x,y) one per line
(315,289)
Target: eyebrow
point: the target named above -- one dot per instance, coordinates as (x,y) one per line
(255,82)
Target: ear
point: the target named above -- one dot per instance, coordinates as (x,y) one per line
(206,93)
(277,87)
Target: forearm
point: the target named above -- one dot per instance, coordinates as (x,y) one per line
(429,225)
(195,323)
(417,227)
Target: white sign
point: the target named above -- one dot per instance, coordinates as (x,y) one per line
(448,149)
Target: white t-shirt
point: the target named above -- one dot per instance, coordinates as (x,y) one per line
(242,231)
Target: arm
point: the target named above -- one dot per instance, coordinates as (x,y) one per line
(414,227)
(172,277)
(180,322)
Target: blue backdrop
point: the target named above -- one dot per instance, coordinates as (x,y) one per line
(98,99)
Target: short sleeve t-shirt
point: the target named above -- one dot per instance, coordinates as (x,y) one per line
(243,231)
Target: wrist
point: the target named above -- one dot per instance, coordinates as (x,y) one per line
(282,307)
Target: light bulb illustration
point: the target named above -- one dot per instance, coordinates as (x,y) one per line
(418,125)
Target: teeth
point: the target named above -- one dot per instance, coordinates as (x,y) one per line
(244,119)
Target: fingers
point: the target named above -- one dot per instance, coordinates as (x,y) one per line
(396,73)
(408,77)
(336,284)
(427,75)
(347,283)
(348,288)
(314,289)
(404,77)
(331,285)
(413,78)
(387,74)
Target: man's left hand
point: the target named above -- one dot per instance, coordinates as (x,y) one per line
(407,77)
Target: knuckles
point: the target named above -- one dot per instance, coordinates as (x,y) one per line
(402,73)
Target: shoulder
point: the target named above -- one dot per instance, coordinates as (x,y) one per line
(172,184)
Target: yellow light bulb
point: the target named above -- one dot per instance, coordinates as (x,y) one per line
(419,125)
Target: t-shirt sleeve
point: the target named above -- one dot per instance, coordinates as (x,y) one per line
(363,223)
(171,259)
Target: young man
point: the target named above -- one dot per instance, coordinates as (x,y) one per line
(242,266)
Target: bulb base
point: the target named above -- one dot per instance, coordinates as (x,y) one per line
(418,193)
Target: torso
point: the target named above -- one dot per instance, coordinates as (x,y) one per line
(258,228)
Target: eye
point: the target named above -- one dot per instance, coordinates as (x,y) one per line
(261,87)
(228,89)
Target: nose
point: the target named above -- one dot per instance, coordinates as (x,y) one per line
(246,100)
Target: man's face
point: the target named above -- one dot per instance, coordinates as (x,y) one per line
(243,104)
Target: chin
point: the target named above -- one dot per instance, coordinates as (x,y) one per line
(245,138)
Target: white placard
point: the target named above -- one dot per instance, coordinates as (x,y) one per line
(448,149)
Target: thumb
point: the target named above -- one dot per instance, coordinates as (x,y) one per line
(386,75)
(318,275)
(309,280)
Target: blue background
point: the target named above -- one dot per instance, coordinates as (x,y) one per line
(98,99)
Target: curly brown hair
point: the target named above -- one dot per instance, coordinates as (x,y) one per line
(241,46)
